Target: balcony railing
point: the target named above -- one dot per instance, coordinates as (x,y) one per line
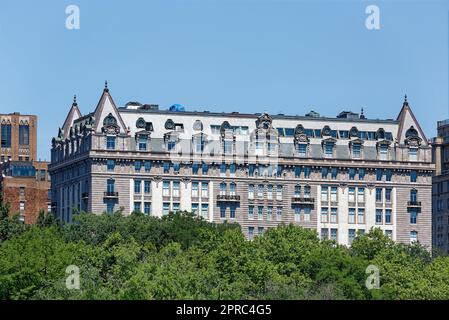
(303,200)
(414,204)
(228,197)
(111,194)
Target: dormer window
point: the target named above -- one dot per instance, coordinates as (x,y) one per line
(110,142)
(142,142)
(110,121)
(227,146)
(356,147)
(199,141)
(328,148)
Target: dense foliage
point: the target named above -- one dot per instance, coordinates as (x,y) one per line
(183,257)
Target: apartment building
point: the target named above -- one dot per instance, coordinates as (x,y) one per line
(339,175)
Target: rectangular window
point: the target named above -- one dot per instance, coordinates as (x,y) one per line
(307,192)
(147,186)
(143,143)
(279,192)
(260,191)
(334,234)
(302,150)
(110,206)
(388,174)
(297,214)
(111,165)
(307,172)
(260,212)
(413,236)
(137,184)
(356,150)
(165,208)
(413,176)
(361,195)
(351,236)
(279,213)
(195,168)
(297,172)
(270,192)
(297,191)
(329,150)
(379,174)
(387,215)
(383,152)
(307,211)
(22,191)
(378,216)
(413,216)
(378,195)
(176,189)
(147,208)
(388,195)
(250,212)
(222,168)
(360,215)
(110,186)
(195,188)
(195,208)
(351,215)
(251,191)
(166,188)
(110,143)
(269,213)
(147,165)
(205,210)
(413,154)
(334,173)
(361,174)
(205,168)
(351,173)
(137,207)
(324,194)
(260,231)
(166,166)
(176,167)
(232,168)
(334,214)
(324,172)
(324,215)
(250,233)
(389,233)
(334,194)
(24,135)
(137,165)
(324,234)
(251,170)
(222,212)
(205,190)
(6,135)
(351,194)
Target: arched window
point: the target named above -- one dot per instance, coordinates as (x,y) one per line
(110,121)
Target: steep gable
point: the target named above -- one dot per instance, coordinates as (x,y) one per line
(73,115)
(408,123)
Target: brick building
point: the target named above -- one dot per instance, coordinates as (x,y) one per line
(24,182)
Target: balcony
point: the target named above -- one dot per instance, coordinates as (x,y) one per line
(228,198)
(414,204)
(302,200)
(110,194)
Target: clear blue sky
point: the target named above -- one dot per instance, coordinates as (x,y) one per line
(249,56)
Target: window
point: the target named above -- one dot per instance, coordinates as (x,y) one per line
(204,190)
(334,215)
(251,170)
(166,188)
(413,236)
(334,233)
(21,206)
(227,146)
(110,185)
(334,173)
(111,165)
(251,191)
(351,236)
(279,192)
(250,233)
(269,213)
(205,168)
(143,143)
(297,171)
(199,144)
(250,212)
(356,150)
(413,196)
(361,195)
(388,174)
(324,214)
(413,176)
(328,150)
(195,208)
(137,165)
(166,166)
(24,135)
(176,189)
(361,174)
(260,191)
(147,165)
(260,212)
(297,191)
(22,191)
(195,168)
(307,172)
(389,233)
(147,208)
(307,214)
(360,215)
(137,207)
(378,216)
(110,206)
(324,234)
(383,152)
(324,172)
(413,216)
(147,186)
(176,167)
(270,192)
(222,212)
(351,215)
(6,135)
(302,150)
(222,189)
(171,144)
(388,195)
(110,143)
(378,195)
(195,186)
(223,168)
(232,168)
(205,210)
(387,215)
(351,173)
(279,213)
(413,154)
(165,208)
(307,192)
(137,184)
(297,214)
(379,174)
(324,194)
(260,231)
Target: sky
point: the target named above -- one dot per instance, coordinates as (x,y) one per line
(289,56)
